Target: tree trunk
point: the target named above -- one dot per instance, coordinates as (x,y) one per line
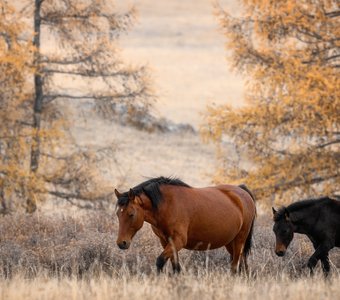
(38,101)
(3,209)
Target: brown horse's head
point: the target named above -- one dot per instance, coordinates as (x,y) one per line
(131,217)
(283,229)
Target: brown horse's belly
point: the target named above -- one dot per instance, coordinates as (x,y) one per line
(212,228)
(203,245)
(212,237)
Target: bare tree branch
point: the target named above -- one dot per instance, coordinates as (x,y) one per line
(329,143)
(88,73)
(92,203)
(333,14)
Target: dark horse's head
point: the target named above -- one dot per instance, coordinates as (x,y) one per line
(130,215)
(283,229)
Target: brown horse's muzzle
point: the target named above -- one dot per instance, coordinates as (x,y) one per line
(123,244)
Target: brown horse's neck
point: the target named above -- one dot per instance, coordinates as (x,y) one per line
(149,213)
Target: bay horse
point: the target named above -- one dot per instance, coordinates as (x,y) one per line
(319,219)
(182,216)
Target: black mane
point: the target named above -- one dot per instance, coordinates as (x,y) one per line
(151,189)
(296,206)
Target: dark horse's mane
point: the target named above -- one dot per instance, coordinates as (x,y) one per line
(296,206)
(151,189)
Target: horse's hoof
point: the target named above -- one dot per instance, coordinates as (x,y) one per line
(160,262)
(176,268)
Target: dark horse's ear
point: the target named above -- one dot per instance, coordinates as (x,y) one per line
(287,215)
(117,193)
(274,211)
(131,194)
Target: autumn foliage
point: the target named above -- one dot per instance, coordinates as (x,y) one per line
(16,55)
(54,56)
(286,138)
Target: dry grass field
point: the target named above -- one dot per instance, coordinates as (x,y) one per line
(58,256)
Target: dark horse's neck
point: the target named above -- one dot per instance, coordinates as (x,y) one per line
(304,214)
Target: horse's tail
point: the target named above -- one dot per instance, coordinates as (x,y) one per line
(244,187)
(248,243)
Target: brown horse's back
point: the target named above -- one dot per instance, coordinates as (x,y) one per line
(211,216)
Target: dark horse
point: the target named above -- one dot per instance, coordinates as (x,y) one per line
(318,218)
(186,217)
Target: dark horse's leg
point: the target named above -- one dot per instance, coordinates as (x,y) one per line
(325,264)
(324,261)
(321,252)
(171,249)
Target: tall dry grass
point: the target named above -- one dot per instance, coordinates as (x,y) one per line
(65,257)
(206,285)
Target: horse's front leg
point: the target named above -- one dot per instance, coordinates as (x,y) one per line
(175,243)
(321,252)
(175,265)
(325,265)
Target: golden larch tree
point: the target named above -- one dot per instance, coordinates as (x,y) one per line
(285,139)
(58,54)
(16,54)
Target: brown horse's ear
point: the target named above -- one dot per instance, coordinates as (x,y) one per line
(131,194)
(117,193)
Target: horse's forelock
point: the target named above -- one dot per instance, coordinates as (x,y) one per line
(123,200)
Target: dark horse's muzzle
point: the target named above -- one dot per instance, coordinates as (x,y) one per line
(280,253)
(280,249)
(123,245)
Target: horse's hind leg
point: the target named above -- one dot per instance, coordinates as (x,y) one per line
(244,263)
(239,257)
(237,253)
(243,258)
(229,248)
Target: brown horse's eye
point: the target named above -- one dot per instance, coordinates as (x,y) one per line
(131,215)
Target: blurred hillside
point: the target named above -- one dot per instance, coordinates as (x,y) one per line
(181,42)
